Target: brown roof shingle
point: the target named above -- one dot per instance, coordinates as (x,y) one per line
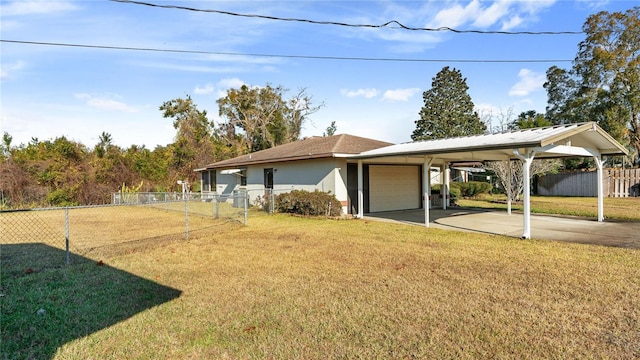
(314,147)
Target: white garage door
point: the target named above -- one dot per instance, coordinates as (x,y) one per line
(394,187)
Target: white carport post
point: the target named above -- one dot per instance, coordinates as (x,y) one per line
(360,191)
(527,159)
(509,186)
(444,187)
(426,179)
(600,188)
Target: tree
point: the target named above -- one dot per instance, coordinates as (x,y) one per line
(259,117)
(528,120)
(561,88)
(104,142)
(448,110)
(5,147)
(604,82)
(331,129)
(193,145)
(516,181)
(510,175)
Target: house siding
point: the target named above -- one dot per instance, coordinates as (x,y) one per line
(328,175)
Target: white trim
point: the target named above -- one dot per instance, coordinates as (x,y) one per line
(230,172)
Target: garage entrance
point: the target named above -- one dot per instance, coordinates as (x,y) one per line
(394,187)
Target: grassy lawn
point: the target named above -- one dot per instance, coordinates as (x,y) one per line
(614,208)
(288,287)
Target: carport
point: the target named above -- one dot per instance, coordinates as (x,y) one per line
(571,140)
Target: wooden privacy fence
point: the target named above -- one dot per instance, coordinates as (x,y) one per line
(617,183)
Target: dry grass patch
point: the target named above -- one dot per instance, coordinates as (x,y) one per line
(288,287)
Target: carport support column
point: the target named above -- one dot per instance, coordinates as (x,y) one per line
(509,186)
(599,162)
(426,179)
(527,159)
(444,189)
(360,191)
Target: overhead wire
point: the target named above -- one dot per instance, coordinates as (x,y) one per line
(313,57)
(387,24)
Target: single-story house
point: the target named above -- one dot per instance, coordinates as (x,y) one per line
(318,163)
(372,176)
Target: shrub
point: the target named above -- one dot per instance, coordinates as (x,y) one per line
(464,189)
(454,191)
(474,188)
(61,197)
(307,203)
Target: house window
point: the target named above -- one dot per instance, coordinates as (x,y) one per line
(208,180)
(268,178)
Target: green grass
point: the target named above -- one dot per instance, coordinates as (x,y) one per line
(614,208)
(289,287)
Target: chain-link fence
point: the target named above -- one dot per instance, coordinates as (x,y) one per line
(114,229)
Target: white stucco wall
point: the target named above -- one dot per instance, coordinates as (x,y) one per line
(329,175)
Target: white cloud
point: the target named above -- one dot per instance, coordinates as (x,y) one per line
(490,15)
(105,103)
(207,89)
(457,15)
(400,94)
(529,81)
(36,7)
(508,13)
(366,93)
(230,83)
(6,70)
(511,23)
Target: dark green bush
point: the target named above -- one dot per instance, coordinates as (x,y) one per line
(454,191)
(464,189)
(474,188)
(307,203)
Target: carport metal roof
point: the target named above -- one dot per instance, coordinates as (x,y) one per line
(583,139)
(571,140)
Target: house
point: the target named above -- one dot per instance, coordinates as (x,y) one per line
(372,176)
(314,163)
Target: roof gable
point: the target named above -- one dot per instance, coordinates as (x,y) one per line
(314,147)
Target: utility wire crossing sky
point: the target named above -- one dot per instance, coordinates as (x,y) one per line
(78,68)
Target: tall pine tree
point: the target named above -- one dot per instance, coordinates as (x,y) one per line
(448,109)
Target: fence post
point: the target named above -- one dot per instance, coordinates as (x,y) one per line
(186,219)
(66,234)
(272,202)
(217,200)
(245,201)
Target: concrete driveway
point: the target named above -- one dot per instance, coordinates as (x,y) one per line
(561,228)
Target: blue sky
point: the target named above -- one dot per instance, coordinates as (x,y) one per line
(49,91)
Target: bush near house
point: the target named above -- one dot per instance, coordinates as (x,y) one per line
(459,190)
(473,188)
(307,203)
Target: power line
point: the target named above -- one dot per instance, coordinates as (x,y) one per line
(387,24)
(312,57)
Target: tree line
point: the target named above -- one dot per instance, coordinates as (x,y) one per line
(62,172)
